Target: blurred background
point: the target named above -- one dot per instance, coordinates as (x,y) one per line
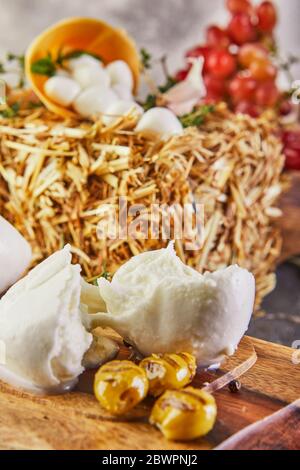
(170,27)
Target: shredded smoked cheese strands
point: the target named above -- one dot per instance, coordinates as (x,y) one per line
(56,175)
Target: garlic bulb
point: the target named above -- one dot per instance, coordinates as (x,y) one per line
(160,121)
(120,73)
(160,305)
(15,255)
(62,90)
(41,327)
(121,108)
(94,100)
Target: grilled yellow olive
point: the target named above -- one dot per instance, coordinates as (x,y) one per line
(120,385)
(168,371)
(183,415)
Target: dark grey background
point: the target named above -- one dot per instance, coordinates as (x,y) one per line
(169,26)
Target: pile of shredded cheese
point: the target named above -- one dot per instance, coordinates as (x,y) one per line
(55,176)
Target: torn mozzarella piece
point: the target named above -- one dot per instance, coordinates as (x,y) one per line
(159,305)
(120,74)
(62,90)
(119,109)
(94,100)
(88,76)
(84,59)
(41,327)
(160,121)
(15,255)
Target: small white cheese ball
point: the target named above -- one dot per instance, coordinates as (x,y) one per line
(87,76)
(121,108)
(123,92)
(62,90)
(84,59)
(120,73)
(160,121)
(94,100)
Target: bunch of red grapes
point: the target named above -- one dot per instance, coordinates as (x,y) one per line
(237,60)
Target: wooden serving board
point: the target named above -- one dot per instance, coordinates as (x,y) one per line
(289,223)
(76,421)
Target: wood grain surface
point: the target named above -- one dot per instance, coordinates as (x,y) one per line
(76,420)
(289,223)
(279,431)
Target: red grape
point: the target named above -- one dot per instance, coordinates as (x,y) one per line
(181,74)
(267,17)
(285,108)
(267,94)
(249,53)
(242,88)
(214,86)
(238,6)
(217,37)
(245,107)
(292,161)
(292,139)
(211,99)
(199,51)
(263,70)
(241,29)
(221,63)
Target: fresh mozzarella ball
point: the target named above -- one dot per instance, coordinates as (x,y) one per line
(62,90)
(161,121)
(123,92)
(120,108)
(88,76)
(94,100)
(84,59)
(15,255)
(160,305)
(120,73)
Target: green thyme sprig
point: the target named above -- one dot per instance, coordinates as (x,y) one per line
(48,65)
(105,274)
(197,116)
(146,58)
(20,59)
(151,99)
(10,111)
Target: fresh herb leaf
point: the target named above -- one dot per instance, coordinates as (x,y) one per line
(145,58)
(169,84)
(2,68)
(47,65)
(150,102)
(10,111)
(197,116)
(19,58)
(44,66)
(34,104)
(105,274)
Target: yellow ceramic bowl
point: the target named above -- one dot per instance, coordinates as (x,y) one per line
(87,34)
